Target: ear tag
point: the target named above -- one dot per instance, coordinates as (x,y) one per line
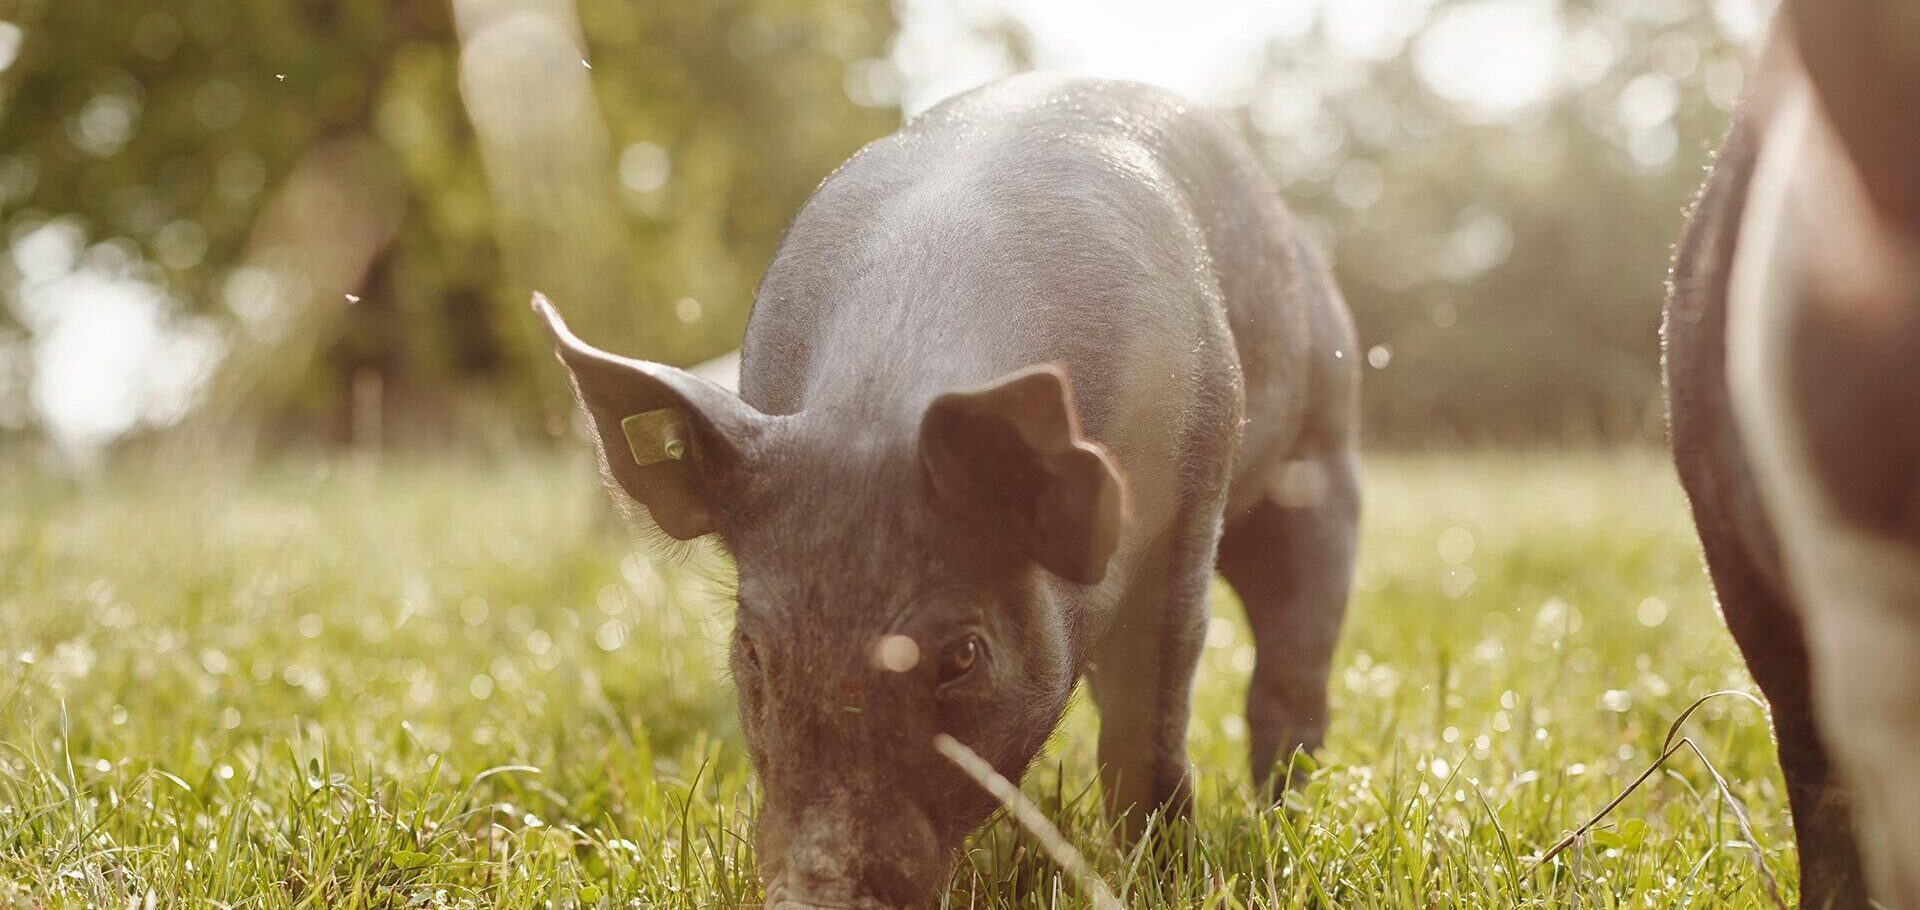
(655,436)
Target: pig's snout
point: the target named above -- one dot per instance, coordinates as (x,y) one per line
(784,904)
(859,860)
(780,897)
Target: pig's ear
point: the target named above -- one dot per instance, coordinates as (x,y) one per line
(666,438)
(1010,456)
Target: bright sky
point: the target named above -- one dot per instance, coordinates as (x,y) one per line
(1206,48)
(1493,53)
(1495,56)
(109,349)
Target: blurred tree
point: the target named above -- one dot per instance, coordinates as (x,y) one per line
(1505,264)
(163,130)
(305,173)
(362,210)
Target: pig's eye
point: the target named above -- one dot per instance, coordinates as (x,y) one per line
(960,659)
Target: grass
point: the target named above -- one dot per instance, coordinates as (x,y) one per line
(450,685)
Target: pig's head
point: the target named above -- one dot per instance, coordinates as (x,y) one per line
(895,583)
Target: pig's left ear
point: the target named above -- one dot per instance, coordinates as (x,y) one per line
(670,440)
(1010,455)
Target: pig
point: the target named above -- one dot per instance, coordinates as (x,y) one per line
(1019,377)
(1791,334)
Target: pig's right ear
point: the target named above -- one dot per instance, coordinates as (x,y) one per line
(1010,456)
(669,439)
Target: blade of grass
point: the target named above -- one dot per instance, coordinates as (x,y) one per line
(1674,743)
(1030,817)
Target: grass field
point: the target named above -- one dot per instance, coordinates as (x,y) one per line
(454,685)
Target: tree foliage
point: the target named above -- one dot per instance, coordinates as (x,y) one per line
(1506,266)
(359,212)
(169,130)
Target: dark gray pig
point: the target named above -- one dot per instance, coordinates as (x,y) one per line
(1018,378)
(1792,326)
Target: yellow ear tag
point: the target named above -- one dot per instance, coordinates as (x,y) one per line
(655,436)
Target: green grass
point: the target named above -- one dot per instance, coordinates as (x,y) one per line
(432,684)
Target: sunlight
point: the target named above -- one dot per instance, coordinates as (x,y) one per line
(1496,55)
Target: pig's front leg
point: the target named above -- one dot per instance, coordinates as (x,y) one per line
(1142,676)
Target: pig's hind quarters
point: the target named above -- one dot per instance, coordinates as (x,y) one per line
(1289,554)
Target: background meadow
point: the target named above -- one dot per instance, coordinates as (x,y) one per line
(424,683)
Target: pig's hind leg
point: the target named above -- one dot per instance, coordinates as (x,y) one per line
(1290,559)
(1769,634)
(1866,633)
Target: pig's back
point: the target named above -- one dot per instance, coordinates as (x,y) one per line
(1109,226)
